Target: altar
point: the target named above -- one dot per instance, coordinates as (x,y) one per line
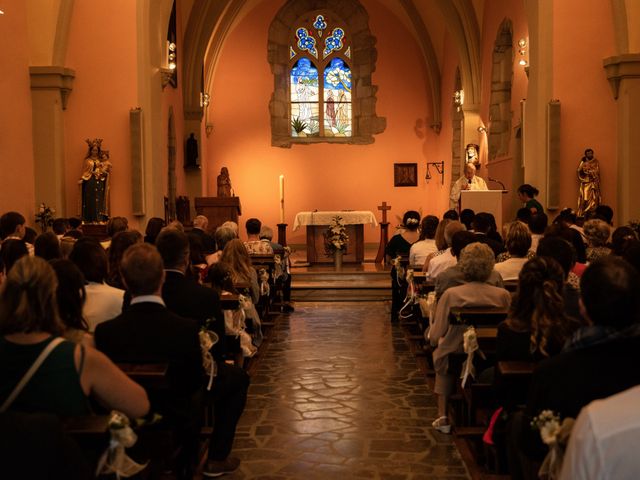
(318,222)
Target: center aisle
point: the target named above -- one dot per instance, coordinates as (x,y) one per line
(337,393)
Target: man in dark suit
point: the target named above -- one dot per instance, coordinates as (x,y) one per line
(149,333)
(483,228)
(185,297)
(199,231)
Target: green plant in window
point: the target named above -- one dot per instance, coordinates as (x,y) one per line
(298,125)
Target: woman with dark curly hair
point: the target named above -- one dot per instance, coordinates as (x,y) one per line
(537,325)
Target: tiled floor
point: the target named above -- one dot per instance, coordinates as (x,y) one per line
(337,394)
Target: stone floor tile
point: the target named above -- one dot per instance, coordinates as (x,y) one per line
(336,393)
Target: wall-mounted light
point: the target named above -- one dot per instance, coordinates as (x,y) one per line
(458,99)
(439,166)
(482,129)
(171,55)
(204,99)
(522,50)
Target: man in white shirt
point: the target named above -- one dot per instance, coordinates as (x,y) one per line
(604,440)
(469,181)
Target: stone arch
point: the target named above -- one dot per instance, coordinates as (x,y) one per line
(430,60)
(205,33)
(500,99)
(461,21)
(365,121)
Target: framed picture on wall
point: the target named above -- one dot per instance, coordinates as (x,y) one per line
(405,174)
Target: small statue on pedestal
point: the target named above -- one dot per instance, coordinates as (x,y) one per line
(94,183)
(589,177)
(224,183)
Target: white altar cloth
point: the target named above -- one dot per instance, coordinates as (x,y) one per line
(351,217)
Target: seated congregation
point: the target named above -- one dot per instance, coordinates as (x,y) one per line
(159,327)
(525,328)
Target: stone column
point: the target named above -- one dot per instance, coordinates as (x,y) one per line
(623,72)
(50,89)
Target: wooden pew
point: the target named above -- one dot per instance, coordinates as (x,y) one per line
(513,380)
(476,397)
(149,375)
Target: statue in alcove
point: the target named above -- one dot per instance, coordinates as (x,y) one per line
(94,183)
(191,152)
(589,178)
(472,155)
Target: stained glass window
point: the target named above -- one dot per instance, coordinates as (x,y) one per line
(320,108)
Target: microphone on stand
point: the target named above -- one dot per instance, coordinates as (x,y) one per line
(497,181)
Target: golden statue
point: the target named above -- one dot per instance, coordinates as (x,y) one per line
(589,177)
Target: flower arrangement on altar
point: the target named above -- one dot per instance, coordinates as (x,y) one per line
(335,237)
(45,216)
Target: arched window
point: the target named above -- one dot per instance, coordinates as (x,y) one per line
(320,79)
(313,58)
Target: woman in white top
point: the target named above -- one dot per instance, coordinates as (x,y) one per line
(426,244)
(518,243)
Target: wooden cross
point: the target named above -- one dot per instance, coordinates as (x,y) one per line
(384,207)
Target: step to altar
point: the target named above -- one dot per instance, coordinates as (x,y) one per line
(325,284)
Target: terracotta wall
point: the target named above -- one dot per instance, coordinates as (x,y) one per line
(323,176)
(583,37)
(16,153)
(102,50)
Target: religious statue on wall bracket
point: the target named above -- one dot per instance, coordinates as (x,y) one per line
(472,155)
(94,183)
(589,178)
(224,183)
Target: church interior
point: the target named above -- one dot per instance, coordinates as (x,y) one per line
(75,70)
(355,106)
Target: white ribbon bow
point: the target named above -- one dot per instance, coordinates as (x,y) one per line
(114,460)
(470,344)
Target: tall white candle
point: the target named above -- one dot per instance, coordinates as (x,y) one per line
(281,198)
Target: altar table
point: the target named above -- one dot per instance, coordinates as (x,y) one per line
(317,223)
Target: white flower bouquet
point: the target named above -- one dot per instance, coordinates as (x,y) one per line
(335,237)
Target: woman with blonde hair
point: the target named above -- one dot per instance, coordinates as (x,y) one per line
(236,259)
(30,328)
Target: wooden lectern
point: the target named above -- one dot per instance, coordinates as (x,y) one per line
(489,201)
(218,210)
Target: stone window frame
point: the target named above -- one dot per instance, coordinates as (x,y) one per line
(362,63)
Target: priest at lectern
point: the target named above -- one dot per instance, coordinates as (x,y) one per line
(467,182)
